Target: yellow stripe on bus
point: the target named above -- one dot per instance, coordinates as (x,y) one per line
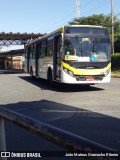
(86,71)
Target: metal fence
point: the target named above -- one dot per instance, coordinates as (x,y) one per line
(67,140)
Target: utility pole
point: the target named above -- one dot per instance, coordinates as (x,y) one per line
(112,17)
(77,9)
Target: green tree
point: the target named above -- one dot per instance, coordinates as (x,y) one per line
(101,20)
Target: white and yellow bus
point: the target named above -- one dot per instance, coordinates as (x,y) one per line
(75,54)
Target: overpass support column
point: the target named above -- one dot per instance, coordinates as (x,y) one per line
(11,61)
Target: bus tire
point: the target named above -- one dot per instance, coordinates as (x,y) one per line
(49,76)
(31,73)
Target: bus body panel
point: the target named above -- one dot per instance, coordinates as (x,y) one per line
(43,65)
(25,65)
(32,66)
(66,78)
(68,46)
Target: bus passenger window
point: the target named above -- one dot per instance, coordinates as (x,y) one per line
(34,50)
(50,47)
(43,49)
(69,48)
(31,51)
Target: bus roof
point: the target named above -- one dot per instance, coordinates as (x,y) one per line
(94,26)
(62,28)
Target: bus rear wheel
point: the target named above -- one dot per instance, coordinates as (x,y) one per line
(49,76)
(31,73)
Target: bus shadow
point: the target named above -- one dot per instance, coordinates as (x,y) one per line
(100,128)
(59,87)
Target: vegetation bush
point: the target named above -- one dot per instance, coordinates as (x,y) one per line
(115,60)
(117,44)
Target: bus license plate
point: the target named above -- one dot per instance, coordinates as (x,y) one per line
(89,79)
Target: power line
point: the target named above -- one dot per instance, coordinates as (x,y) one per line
(49,27)
(99,5)
(78,7)
(58,21)
(86,4)
(118,14)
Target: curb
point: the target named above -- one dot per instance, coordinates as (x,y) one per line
(115,76)
(14,71)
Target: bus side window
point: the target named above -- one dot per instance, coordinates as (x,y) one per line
(34,50)
(31,51)
(58,45)
(50,47)
(26,52)
(38,47)
(43,49)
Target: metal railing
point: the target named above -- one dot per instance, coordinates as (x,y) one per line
(66,140)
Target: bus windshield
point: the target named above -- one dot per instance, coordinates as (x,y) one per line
(86,30)
(97,48)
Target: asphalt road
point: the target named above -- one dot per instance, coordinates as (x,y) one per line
(92,112)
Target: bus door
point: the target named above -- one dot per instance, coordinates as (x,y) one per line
(27,58)
(57,58)
(36,59)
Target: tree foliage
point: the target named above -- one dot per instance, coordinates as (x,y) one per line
(101,20)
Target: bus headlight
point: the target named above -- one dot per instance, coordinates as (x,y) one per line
(65,70)
(106,73)
(68,72)
(71,73)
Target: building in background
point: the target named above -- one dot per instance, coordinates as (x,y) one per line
(12,59)
(16,63)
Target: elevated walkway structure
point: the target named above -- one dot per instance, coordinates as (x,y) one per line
(7,39)
(18,52)
(17,38)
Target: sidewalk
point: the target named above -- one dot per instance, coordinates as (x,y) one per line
(13,71)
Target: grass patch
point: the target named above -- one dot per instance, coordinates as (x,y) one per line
(116,73)
(115,61)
